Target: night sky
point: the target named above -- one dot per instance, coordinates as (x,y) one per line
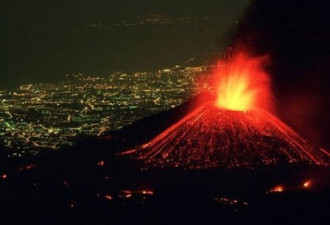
(296,35)
(41,41)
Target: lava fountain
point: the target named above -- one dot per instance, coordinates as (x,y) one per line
(242,83)
(236,130)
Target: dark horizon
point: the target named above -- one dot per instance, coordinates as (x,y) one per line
(42,42)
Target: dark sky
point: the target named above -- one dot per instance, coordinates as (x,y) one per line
(41,41)
(296,34)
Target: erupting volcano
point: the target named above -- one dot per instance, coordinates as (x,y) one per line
(236,130)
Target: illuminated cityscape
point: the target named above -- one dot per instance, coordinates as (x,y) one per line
(52,115)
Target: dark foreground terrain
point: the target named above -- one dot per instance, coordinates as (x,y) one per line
(90,184)
(96,194)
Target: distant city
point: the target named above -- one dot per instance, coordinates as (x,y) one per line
(40,116)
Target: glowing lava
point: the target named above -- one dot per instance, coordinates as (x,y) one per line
(211,137)
(278,188)
(233,131)
(307,184)
(242,83)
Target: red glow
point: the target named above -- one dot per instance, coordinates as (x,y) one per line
(108,197)
(246,135)
(147,192)
(26,167)
(242,83)
(126,191)
(210,137)
(307,184)
(278,188)
(101,163)
(4,176)
(226,201)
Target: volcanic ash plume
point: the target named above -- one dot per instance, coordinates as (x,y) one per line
(232,131)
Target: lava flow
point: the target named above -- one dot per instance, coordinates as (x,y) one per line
(234,131)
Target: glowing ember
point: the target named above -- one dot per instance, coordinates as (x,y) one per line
(72,205)
(307,184)
(227,201)
(242,83)
(4,176)
(128,195)
(101,163)
(26,167)
(66,184)
(277,189)
(147,192)
(108,197)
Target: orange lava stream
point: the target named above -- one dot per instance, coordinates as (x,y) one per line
(210,137)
